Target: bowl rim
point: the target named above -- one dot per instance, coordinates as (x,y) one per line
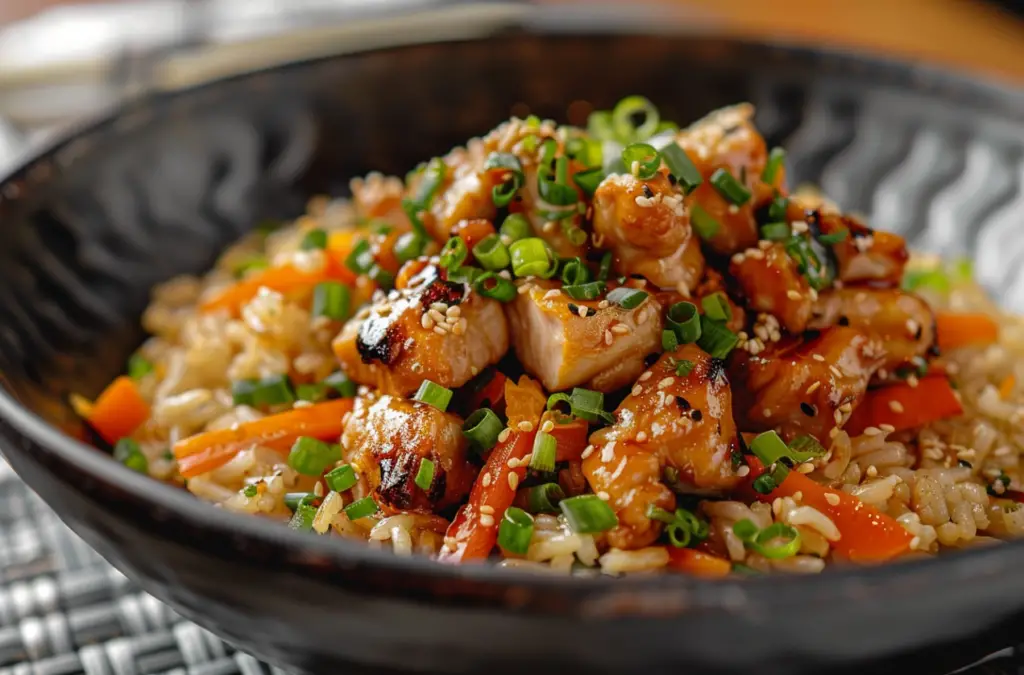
(776,590)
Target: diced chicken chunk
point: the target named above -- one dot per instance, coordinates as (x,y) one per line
(902,321)
(648,230)
(772,283)
(678,416)
(864,255)
(804,386)
(726,139)
(568,343)
(387,438)
(430,330)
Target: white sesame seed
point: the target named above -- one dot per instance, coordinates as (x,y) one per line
(608,337)
(486,519)
(437,316)
(846,407)
(636,390)
(439,307)
(426,321)
(474,370)
(547,426)
(915,542)
(793,295)
(641,437)
(512,463)
(603,496)
(525,288)
(513,480)
(799,227)
(767,412)
(526,426)
(798,496)
(487,509)
(620,329)
(553,293)
(582,311)
(318,489)
(603,304)
(646,376)
(872,431)
(665,382)
(814,387)
(503,436)
(738,258)
(872,471)
(440,330)
(764,245)
(549,226)
(733,209)
(888,428)
(487,479)
(838,417)
(806,467)
(643,201)
(587,451)
(818,357)
(777,505)
(832,498)
(743,471)
(460,327)
(896,406)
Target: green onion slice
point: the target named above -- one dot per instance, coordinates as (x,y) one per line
(775,231)
(532,257)
(454,253)
(588,180)
(767,482)
(139,366)
(716,306)
(684,320)
(341,478)
(410,246)
(587,514)
(504,193)
(295,499)
(516,227)
(492,254)
(776,158)
(543,456)
(128,452)
(332,300)
(778,209)
(482,428)
(557,398)
(731,189)
(588,291)
(250,264)
(313,392)
(492,285)
(339,382)
(682,167)
(315,240)
(627,298)
(599,125)
(715,338)
(669,340)
(703,222)
(769,448)
(626,113)
(834,237)
(434,394)
(360,260)
(303,517)
(466,274)
(682,526)
(310,456)
(766,541)
(515,531)
(588,405)
(684,367)
(250,490)
(605,267)
(575,272)
(361,508)
(554,189)
(544,498)
(272,390)
(642,160)
(425,475)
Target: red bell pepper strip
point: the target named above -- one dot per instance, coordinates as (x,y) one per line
(906,407)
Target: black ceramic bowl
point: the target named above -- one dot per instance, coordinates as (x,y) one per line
(159,187)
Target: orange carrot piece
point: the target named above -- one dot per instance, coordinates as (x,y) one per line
(867,534)
(698,563)
(956,329)
(212,449)
(524,401)
(906,407)
(118,411)
(1006,387)
(285,279)
(571,438)
(470,539)
(491,394)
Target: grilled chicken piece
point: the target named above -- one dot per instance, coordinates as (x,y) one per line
(865,255)
(430,330)
(683,422)
(804,386)
(772,283)
(386,439)
(557,344)
(648,230)
(465,193)
(902,321)
(726,139)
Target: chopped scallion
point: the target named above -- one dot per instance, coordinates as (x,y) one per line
(482,428)
(682,526)
(516,227)
(769,448)
(703,222)
(775,231)
(341,478)
(778,209)
(588,291)
(310,456)
(544,498)
(250,264)
(425,475)
(834,237)
(128,452)
(589,179)
(684,367)
(669,340)
(360,260)
(332,300)
(302,519)
(605,267)
(766,541)
(575,272)
(627,298)
(589,405)
(682,167)
(495,286)
(532,257)
(340,382)
(731,189)
(294,499)
(434,394)
(315,240)
(641,160)
(776,158)
(715,338)
(410,246)
(313,392)
(361,508)
(139,366)
(515,531)
(492,254)
(467,274)
(628,111)
(454,253)
(250,491)
(716,306)
(684,320)
(588,514)
(272,390)
(543,456)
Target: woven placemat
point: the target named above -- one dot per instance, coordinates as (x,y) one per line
(65,611)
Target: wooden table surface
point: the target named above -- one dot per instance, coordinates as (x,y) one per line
(969,34)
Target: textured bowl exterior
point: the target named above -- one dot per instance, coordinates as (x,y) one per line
(159,188)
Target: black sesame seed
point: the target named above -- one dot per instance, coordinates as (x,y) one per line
(651,359)
(918,332)
(672,179)
(844,321)
(696,416)
(647,191)
(683,404)
(808,409)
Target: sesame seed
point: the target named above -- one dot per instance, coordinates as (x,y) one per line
(912,326)
(474,370)
(764,245)
(743,471)
(666,382)
(486,519)
(318,489)
(513,480)
(437,316)
(872,471)
(549,226)
(645,202)
(426,321)
(767,412)
(872,431)
(813,388)
(818,357)
(525,288)
(738,258)
(915,542)
(440,330)
(487,479)
(487,509)
(793,295)
(587,451)
(526,426)
(832,498)
(806,467)
(547,426)
(620,328)
(913,381)
(641,437)
(636,390)
(439,307)
(512,463)
(777,505)
(755,253)
(896,406)
(553,293)
(838,417)
(798,496)
(603,304)
(503,436)
(846,407)
(460,327)
(582,311)
(888,428)
(608,337)
(603,496)
(799,227)
(646,376)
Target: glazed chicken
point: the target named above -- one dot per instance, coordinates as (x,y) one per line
(648,230)
(804,385)
(902,322)
(567,343)
(678,415)
(864,255)
(387,438)
(431,330)
(771,283)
